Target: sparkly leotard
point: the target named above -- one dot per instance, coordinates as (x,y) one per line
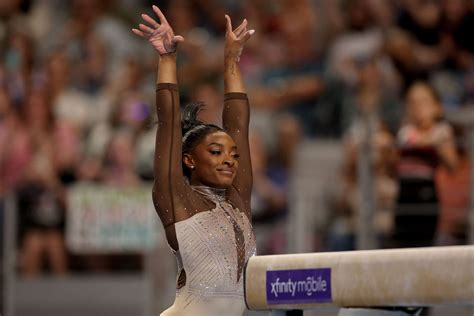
(209,229)
(209,245)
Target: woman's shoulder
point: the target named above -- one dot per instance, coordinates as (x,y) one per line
(442,126)
(406,132)
(442,131)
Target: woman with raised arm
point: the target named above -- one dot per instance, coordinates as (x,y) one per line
(203,181)
(426,141)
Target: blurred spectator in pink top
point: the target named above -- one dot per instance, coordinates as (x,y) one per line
(425,142)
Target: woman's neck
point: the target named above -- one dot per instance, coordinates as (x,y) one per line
(197,183)
(424,126)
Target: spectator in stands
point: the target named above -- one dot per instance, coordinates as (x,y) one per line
(455,80)
(119,165)
(345,197)
(68,104)
(361,40)
(293,83)
(123,105)
(269,199)
(370,94)
(422,21)
(457,23)
(41,199)
(366,105)
(425,142)
(18,64)
(14,146)
(272,169)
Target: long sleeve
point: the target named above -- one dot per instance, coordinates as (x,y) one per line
(169,183)
(236,118)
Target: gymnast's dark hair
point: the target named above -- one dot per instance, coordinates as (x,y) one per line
(193,129)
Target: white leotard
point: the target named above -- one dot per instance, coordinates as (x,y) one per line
(208,253)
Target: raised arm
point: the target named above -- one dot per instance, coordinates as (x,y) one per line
(236,114)
(169,181)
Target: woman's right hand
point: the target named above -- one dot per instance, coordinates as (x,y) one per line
(161,36)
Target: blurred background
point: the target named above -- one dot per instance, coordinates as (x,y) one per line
(362,137)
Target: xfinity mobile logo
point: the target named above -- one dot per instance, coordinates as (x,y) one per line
(299,286)
(309,286)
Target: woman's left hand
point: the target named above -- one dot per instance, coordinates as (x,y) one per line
(235,39)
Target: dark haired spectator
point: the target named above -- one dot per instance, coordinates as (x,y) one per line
(361,40)
(455,80)
(272,172)
(345,199)
(370,94)
(425,142)
(41,199)
(291,81)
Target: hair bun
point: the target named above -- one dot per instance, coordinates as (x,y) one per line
(189,117)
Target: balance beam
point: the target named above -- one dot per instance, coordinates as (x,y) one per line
(410,277)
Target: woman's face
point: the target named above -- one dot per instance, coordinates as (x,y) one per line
(214,161)
(423,108)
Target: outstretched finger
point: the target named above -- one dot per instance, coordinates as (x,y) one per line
(239,33)
(241,28)
(160,15)
(145,29)
(247,35)
(229,24)
(139,33)
(150,20)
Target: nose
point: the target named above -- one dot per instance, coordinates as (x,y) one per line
(229,161)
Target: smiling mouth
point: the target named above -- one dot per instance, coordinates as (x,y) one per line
(226,172)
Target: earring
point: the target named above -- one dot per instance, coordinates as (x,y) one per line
(191,167)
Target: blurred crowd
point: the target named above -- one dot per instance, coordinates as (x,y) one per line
(77,104)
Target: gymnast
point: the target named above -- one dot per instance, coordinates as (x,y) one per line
(203,180)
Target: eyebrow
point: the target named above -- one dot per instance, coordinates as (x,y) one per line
(220,145)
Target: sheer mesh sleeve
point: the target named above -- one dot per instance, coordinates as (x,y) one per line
(173,197)
(236,117)
(169,184)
